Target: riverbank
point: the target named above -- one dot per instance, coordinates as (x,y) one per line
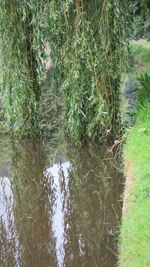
(135,232)
(135,229)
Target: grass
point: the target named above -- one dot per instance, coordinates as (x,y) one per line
(135,232)
(140,51)
(135,229)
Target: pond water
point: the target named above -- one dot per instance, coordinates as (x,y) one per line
(59,205)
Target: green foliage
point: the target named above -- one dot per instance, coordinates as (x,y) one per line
(88,50)
(140,10)
(144,89)
(88,44)
(21,41)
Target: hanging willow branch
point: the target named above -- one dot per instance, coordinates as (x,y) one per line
(88,42)
(20,43)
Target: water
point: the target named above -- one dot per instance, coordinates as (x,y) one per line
(59,205)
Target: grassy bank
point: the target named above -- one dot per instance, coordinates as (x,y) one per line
(135,230)
(140,55)
(135,233)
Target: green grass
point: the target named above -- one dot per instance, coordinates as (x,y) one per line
(140,52)
(135,232)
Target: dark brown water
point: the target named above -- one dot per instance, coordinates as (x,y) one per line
(59,206)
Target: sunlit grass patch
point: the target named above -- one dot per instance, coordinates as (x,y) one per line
(135,232)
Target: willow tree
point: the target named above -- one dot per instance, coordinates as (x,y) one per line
(141,18)
(88,41)
(20,45)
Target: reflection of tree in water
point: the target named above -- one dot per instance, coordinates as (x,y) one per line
(79,206)
(7,230)
(92,213)
(8,237)
(33,206)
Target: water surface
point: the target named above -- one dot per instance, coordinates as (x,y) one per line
(59,206)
